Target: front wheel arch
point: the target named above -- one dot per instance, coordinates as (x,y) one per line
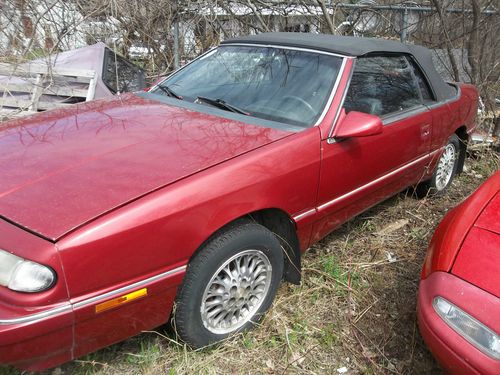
(283,227)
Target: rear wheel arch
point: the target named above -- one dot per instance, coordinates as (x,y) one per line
(444,171)
(462,135)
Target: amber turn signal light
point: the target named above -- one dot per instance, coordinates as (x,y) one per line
(118,301)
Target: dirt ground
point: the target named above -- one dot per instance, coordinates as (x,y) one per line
(354,312)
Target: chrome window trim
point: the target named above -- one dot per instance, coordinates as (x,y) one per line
(333,92)
(89,301)
(284,47)
(341,104)
(408,112)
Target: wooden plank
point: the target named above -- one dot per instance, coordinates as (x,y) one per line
(9,114)
(33,69)
(51,90)
(66,91)
(43,106)
(37,92)
(26,103)
(91,91)
(19,87)
(16,103)
(54,83)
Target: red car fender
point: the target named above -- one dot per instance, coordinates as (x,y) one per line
(455,226)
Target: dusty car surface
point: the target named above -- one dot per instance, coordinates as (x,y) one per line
(205,190)
(459,294)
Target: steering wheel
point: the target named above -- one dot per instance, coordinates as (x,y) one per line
(303,102)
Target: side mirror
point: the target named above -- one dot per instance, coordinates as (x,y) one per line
(358,124)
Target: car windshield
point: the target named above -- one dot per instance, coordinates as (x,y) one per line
(284,85)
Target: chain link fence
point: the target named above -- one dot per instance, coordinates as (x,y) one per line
(161,35)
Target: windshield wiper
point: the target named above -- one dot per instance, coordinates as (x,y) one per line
(222,105)
(170,92)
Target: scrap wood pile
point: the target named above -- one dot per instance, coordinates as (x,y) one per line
(31,88)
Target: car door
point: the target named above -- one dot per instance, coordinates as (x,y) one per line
(358,172)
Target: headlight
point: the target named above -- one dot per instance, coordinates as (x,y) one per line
(468,327)
(23,275)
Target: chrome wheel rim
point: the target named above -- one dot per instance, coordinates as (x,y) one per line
(236,291)
(445,166)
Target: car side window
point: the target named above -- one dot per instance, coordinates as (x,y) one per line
(120,75)
(382,85)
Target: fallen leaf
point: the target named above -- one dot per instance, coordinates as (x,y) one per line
(392,227)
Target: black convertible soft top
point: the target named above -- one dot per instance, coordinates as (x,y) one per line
(355,46)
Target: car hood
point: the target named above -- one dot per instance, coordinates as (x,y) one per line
(63,168)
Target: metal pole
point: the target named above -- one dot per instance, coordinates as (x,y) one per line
(404,25)
(176,34)
(423,9)
(176,44)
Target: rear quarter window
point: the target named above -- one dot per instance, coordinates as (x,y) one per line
(423,84)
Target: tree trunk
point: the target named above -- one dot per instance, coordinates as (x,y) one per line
(473,42)
(449,46)
(326,15)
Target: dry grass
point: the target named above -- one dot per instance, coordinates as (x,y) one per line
(354,309)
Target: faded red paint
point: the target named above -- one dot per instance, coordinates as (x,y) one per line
(123,189)
(463,266)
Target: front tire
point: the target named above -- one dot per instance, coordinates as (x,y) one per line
(445,171)
(229,284)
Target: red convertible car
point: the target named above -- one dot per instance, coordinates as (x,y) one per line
(459,294)
(204,191)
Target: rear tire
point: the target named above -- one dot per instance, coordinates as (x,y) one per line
(445,171)
(229,284)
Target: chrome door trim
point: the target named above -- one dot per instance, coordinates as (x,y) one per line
(38,316)
(127,288)
(304,214)
(89,301)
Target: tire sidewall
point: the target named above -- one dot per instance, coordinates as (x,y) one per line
(454,140)
(244,237)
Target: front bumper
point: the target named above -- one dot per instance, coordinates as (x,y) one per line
(43,337)
(452,351)
(40,338)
